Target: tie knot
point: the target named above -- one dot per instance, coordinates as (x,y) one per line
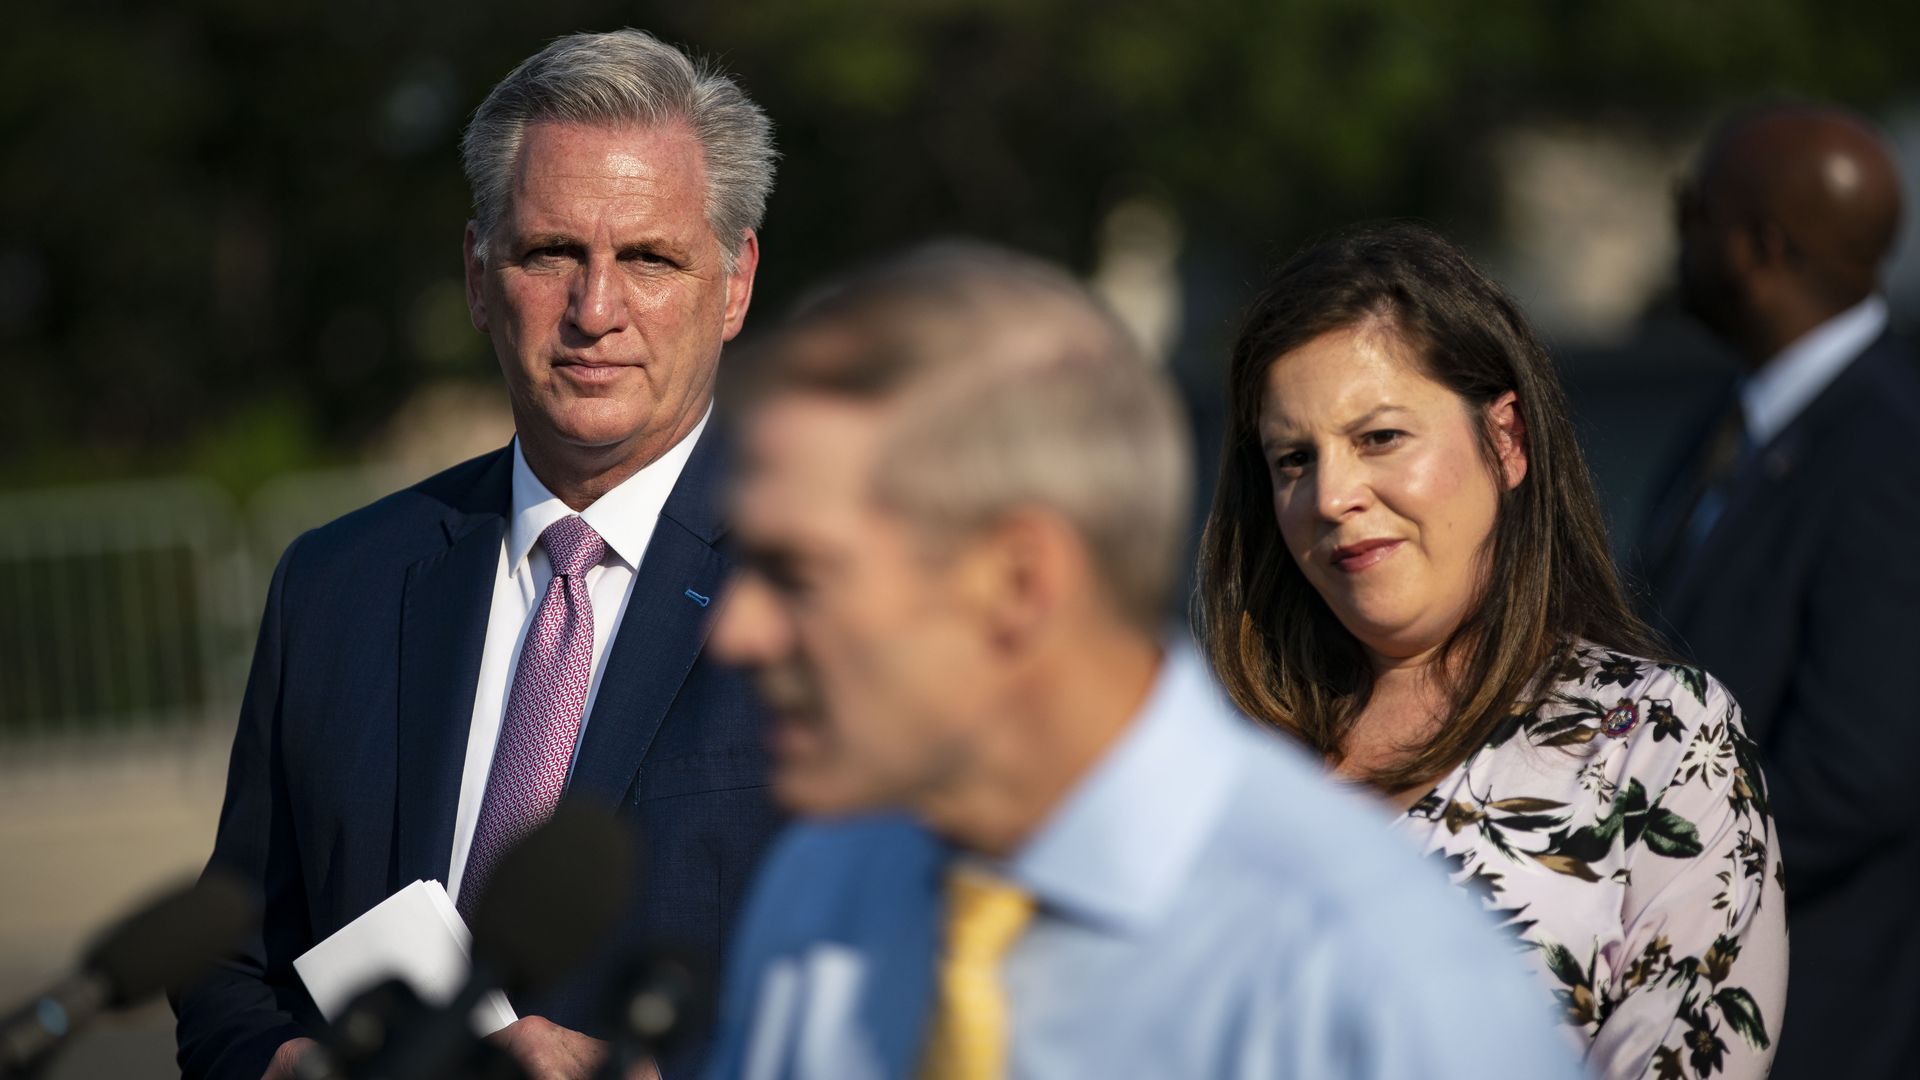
(573,546)
(985,914)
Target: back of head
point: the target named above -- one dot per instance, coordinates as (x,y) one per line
(1007,385)
(625,78)
(1821,178)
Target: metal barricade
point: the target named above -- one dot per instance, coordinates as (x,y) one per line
(128,611)
(122,609)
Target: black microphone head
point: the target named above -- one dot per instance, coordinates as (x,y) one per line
(372,1017)
(664,998)
(553,897)
(172,940)
(379,1037)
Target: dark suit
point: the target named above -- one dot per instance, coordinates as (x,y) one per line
(347,764)
(1804,599)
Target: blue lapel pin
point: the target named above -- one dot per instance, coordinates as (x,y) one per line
(703,601)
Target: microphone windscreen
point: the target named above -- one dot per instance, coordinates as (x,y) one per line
(664,999)
(172,940)
(554,896)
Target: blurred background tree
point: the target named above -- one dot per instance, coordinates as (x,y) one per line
(229,235)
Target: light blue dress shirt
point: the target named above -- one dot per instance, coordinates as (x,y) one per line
(1209,905)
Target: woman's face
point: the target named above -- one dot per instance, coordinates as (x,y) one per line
(1380,486)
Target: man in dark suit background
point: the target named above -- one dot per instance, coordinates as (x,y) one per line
(434,670)
(1780,557)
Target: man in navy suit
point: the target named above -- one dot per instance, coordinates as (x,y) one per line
(1780,556)
(434,670)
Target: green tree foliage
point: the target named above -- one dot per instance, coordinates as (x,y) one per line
(231,228)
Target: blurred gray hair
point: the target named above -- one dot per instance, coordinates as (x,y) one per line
(618,78)
(1010,385)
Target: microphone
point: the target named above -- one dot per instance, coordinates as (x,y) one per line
(663,998)
(550,900)
(172,940)
(378,1014)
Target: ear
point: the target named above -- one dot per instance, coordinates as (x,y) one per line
(1771,244)
(740,284)
(1509,437)
(473,257)
(1744,249)
(1019,573)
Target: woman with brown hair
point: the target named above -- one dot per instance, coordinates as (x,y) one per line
(1405,568)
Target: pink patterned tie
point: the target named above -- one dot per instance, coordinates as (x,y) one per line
(535,748)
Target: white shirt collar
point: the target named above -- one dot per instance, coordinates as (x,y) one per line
(1788,383)
(624,517)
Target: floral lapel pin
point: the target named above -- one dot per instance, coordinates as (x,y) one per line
(1620,719)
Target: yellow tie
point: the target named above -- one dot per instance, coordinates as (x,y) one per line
(968,1037)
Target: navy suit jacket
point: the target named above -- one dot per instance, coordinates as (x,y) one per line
(347,763)
(1804,599)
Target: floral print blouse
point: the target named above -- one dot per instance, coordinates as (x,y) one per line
(1620,832)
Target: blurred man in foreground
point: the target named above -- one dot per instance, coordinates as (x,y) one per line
(1057,851)
(436,670)
(1780,556)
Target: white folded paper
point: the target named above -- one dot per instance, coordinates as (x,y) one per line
(415,935)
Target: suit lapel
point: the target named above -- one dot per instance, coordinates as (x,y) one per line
(443,632)
(1663,556)
(1755,499)
(1661,553)
(1754,492)
(659,639)
(661,633)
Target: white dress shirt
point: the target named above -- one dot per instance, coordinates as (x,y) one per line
(625,518)
(1788,383)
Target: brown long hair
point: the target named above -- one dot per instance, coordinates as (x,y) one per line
(1280,651)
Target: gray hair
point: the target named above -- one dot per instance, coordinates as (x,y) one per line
(1010,385)
(625,77)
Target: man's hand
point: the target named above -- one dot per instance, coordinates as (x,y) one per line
(285,1058)
(548,1051)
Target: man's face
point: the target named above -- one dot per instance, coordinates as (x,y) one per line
(1708,289)
(605,291)
(860,638)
